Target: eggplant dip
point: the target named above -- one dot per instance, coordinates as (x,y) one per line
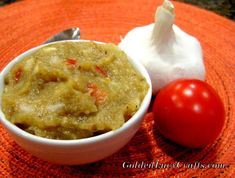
(73,90)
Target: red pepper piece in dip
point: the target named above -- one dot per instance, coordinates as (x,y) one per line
(71,61)
(101,71)
(99,94)
(18,74)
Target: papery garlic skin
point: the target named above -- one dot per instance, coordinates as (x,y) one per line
(167,52)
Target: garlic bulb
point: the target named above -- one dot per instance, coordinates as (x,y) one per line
(164,49)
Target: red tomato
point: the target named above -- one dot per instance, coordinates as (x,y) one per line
(189,112)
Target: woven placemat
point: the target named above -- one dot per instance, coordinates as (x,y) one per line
(28,23)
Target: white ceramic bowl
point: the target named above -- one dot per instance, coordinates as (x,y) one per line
(75,152)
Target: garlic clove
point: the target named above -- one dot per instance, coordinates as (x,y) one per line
(167,52)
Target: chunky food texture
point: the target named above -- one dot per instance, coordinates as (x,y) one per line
(73,90)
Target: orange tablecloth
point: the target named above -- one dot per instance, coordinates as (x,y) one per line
(28,23)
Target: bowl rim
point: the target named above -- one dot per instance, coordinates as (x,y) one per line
(84,141)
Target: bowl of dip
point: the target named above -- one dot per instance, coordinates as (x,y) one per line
(73,102)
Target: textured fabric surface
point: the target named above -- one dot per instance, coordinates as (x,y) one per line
(28,23)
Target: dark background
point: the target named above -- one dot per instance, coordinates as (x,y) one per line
(223,7)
